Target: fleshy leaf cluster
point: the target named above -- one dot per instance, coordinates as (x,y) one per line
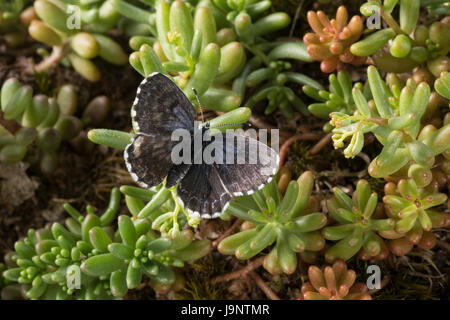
(276,219)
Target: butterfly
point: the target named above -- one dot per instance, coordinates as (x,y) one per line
(203,189)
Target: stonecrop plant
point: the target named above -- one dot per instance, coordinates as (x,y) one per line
(395,120)
(373,74)
(44,257)
(357,229)
(219,38)
(44,122)
(188,47)
(330,43)
(13,21)
(278,219)
(339,98)
(413,209)
(334,282)
(270,74)
(406,44)
(268,71)
(442,85)
(161,208)
(91,258)
(76,40)
(436,6)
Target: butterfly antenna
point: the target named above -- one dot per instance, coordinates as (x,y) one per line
(199,105)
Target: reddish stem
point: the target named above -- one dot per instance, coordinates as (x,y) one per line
(289,142)
(241,272)
(263,286)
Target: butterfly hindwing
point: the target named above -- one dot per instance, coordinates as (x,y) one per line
(248,164)
(206,189)
(148,158)
(161,106)
(176,173)
(202,193)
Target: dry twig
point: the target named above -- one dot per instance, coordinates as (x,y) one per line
(241,272)
(320,144)
(263,286)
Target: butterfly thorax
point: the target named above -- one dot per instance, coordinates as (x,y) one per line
(178,171)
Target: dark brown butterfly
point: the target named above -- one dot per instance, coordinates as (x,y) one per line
(204,189)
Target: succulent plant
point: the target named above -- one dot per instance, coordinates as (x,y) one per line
(419,75)
(412,44)
(331,40)
(109,262)
(338,99)
(177,285)
(44,258)
(268,70)
(45,121)
(231,9)
(333,283)
(394,118)
(436,7)
(442,85)
(231,53)
(270,73)
(357,229)
(187,49)
(140,253)
(13,20)
(276,219)
(412,209)
(76,42)
(160,206)
(250,20)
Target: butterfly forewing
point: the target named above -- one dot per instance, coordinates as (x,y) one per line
(161,107)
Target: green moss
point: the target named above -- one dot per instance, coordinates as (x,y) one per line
(299,159)
(403,286)
(198,280)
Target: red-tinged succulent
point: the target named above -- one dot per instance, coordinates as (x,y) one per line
(333,283)
(332,39)
(412,208)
